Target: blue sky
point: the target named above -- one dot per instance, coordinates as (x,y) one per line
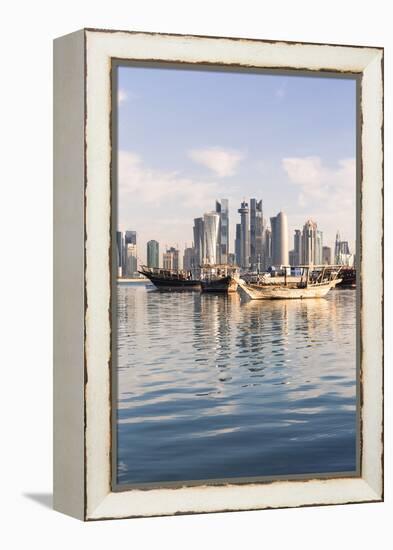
(187,137)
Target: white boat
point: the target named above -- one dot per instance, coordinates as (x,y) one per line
(315,282)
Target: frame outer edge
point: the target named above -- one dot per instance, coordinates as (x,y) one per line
(68,290)
(103,504)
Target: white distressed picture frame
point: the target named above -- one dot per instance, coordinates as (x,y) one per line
(82,251)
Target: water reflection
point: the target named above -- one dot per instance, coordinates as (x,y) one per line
(213,387)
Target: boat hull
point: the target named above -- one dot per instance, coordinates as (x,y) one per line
(348,278)
(223,285)
(271,292)
(164,283)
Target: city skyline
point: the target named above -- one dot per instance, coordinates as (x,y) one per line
(257,245)
(186,137)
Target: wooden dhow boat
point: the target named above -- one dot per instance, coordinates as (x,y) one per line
(170,279)
(314,282)
(220,278)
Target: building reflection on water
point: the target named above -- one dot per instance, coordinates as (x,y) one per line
(203,377)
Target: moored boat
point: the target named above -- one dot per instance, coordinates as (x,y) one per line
(348,278)
(315,282)
(174,279)
(219,278)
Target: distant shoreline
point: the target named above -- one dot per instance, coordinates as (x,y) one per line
(139,280)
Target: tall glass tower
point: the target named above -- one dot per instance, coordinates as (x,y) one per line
(297,247)
(199,241)
(244,235)
(256,234)
(153,254)
(279,225)
(238,243)
(223,231)
(309,242)
(120,252)
(129,238)
(318,247)
(211,222)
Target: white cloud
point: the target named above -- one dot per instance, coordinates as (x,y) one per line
(152,186)
(160,204)
(122,96)
(222,162)
(319,182)
(327,194)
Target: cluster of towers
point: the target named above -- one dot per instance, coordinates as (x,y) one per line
(126,249)
(257,247)
(308,246)
(211,233)
(342,254)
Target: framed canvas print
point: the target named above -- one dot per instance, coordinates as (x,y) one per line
(218,274)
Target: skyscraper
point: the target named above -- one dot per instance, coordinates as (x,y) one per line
(256,234)
(309,242)
(238,256)
(337,248)
(198,241)
(244,235)
(342,254)
(188,259)
(326,255)
(132,260)
(223,231)
(318,247)
(170,259)
(211,221)
(268,248)
(297,247)
(279,225)
(153,254)
(120,252)
(129,238)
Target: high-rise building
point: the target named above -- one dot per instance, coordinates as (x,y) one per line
(257,259)
(132,260)
(129,238)
(238,244)
(309,242)
(326,255)
(170,259)
(297,248)
(318,247)
(198,241)
(153,254)
(337,248)
(279,225)
(244,235)
(342,254)
(211,221)
(292,257)
(268,248)
(189,259)
(120,252)
(223,231)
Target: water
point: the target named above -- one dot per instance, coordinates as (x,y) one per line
(213,387)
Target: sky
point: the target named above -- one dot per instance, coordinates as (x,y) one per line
(189,137)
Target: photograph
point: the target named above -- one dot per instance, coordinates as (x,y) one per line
(235,287)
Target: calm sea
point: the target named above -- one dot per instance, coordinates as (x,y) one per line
(214,387)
